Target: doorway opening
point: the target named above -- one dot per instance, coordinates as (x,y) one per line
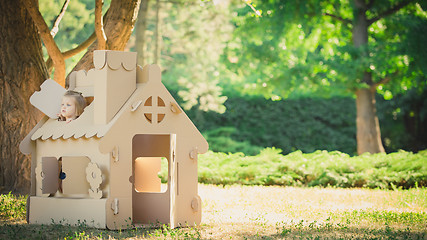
(152,155)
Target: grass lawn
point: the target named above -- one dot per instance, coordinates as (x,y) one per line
(258,212)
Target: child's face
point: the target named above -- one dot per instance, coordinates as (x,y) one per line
(68,108)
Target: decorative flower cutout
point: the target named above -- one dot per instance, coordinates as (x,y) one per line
(94,177)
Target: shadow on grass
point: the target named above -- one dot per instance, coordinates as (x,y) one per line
(21,230)
(347,233)
(336,231)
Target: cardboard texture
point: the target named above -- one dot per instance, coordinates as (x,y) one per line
(48,100)
(103,167)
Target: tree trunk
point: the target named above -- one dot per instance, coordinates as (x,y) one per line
(141,27)
(368,127)
(22,70)
(119,23)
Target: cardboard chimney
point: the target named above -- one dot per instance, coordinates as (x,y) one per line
(111,155)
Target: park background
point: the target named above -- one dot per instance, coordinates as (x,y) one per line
(250,82)
(343,77)
(274,87)
(271,84)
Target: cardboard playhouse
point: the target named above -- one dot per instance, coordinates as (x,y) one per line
(111,155)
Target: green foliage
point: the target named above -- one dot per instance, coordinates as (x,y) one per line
(403,55)
(211,51)
(304,124)
(320,168)
(77,24)
(12,207)
(220,140)
(287,50)
(306,47)
(403,119)
(193,35)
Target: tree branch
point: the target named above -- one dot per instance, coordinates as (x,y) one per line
(253,8)
(389,11)
(118,26)
(50,44)
(58,19)
(81,47)
(99,26)
(346,21)
(74,51)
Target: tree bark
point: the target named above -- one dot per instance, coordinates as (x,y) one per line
(119,23)
(22,70)
(368,127)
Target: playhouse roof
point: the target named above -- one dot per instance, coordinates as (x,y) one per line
(85,126)
(81,127)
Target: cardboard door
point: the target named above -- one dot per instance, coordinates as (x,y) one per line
(149,203)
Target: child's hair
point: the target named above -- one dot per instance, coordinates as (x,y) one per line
(80,102)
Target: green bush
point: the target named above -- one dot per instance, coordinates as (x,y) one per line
(302,124)
(320,168)
(309,124)
(221,140)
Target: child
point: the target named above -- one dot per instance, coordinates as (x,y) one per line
(72,106)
